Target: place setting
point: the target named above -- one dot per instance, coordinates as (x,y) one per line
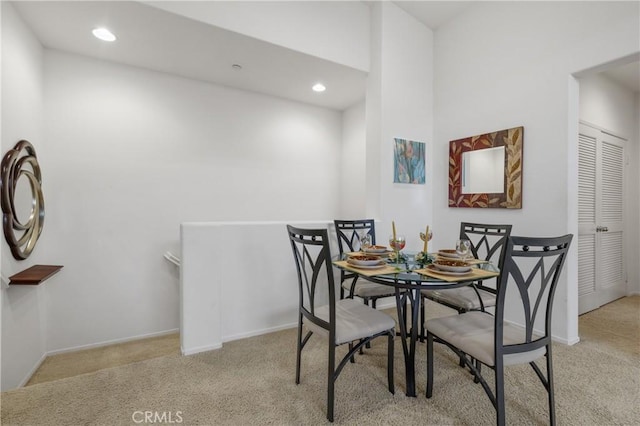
(376,259)
(367,248)
(367,264)
(370,260)
(461,252)
(453,264)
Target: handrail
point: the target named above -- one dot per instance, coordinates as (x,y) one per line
(172,258)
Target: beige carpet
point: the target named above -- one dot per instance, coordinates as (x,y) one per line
(251,381)
(91,360)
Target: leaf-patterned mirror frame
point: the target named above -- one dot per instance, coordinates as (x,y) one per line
(512,140)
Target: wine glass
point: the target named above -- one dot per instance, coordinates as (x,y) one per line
(463,248)
(397,244)
(365,241)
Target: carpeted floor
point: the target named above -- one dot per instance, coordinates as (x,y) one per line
(91,360)
(251,381)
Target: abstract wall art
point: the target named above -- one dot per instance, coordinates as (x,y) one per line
(408,161)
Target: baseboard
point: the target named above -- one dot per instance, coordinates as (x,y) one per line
(259,332)
(199,349)
(565,341)
(111,342)
(240,336)
(33,370)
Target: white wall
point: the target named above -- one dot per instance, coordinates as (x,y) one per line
(240,289)
(23,307)
(607,104)
(337,30)
(353,159)
(399,105)
(135,153)
(508,64)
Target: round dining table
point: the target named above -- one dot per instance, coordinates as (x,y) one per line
(408,283)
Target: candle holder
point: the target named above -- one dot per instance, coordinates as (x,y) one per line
(423,259)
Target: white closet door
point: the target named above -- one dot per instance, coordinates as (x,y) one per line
(601,277)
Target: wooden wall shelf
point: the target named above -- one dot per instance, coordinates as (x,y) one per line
(34,275)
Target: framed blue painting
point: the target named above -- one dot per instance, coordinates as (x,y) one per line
(408,161)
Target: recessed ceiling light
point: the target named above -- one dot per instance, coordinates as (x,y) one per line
(319,87)
(104,34)
(236,67)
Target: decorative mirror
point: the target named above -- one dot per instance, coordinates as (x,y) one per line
(486,170)
(21,198)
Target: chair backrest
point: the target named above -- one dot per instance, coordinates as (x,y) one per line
(351,231)
(315,274)
(487,241)
(532,267)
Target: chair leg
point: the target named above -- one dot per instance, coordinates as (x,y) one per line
(352,359)
(552,405)
(331,380)
(299,350)
(422,302)
(373,305)
(479,368)
(500,408)
(390,354)
(429,364)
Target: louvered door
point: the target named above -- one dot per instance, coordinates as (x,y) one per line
(601,276)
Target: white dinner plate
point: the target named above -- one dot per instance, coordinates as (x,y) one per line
(372,260)
(440,271)
(451,255)
(376,250)
(382,264)
(443,266)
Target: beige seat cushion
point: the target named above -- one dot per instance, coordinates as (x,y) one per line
(472,333)
(463,297)
(354,321)
(369,289)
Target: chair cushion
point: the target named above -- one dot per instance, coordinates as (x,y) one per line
(472,333)
(369,289)
(354,321)
(462,297)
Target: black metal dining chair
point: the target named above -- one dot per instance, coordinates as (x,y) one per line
(487,243)
(528,281)
(349,233)
(341,321)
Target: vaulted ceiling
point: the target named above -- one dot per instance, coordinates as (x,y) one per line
(155,39)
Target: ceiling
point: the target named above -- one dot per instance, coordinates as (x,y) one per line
(158,40)
(626,75)
(154,39)
(434,14)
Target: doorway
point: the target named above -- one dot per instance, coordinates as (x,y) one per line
(601,266)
